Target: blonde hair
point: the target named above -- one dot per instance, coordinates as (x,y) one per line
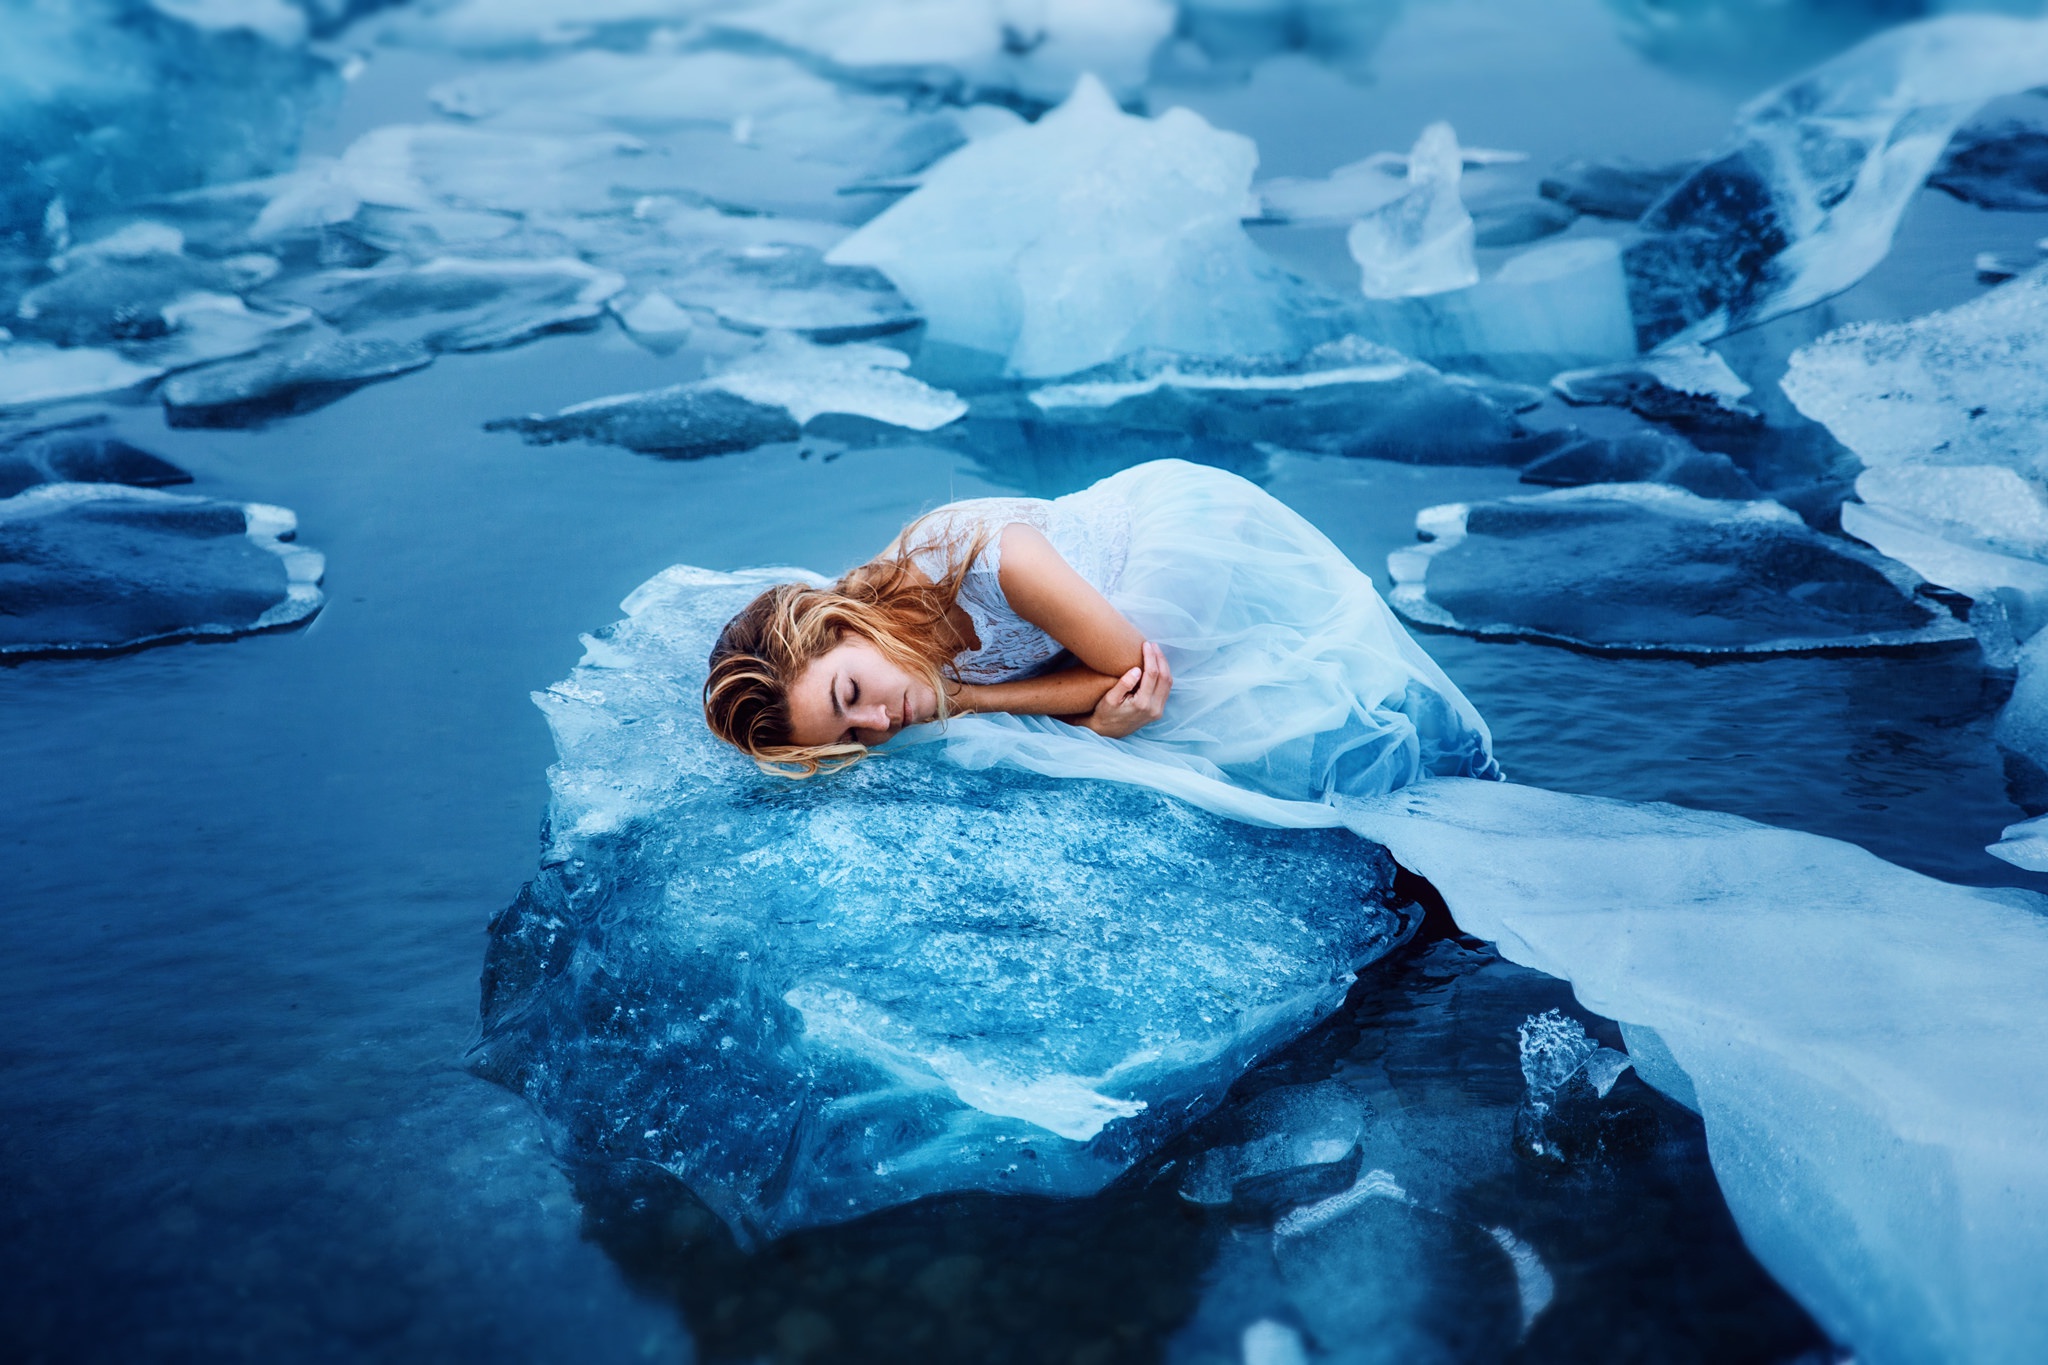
(888,602)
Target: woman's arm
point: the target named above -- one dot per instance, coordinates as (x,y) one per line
(1045,590)
(1112,707)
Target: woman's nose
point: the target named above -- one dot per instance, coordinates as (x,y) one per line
(875,717)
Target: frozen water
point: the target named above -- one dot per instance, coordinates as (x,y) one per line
(1688,387)
(276,20)
(2003,166)
(33,373)
(314,367)
(1032,48)
(788,288)
(1611,189)
(1087,235)
(87,88)
(1881,1158)
(1517,223)
(455,304)
(812,1000)
(1359,187)
(1645,568)
(80,454)
(1419,243)
(768,395)
(1575,459)
(1549,308)
(1567,1075)
(2024,844)
(103,299)
(1805,199)
(1348,397)
(94,567)
(1959,387)
(1294,1144)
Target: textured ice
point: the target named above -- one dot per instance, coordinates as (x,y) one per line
(768,395)
(1346,397)
(2002,166)
(1421,242)
(1087,235)
(1572,459)
(811,1000)
(314,367)
(1832,1015)
(2024,844)
(34,372)
(1635,568)
(1688,387)
(1567,1075)
(454,304)
(1806,197)
(1611,189)
(80,454)
(1549,308)
(95,567)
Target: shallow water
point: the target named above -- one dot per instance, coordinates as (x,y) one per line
(248,881)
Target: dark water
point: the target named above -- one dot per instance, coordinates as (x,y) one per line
(247,883)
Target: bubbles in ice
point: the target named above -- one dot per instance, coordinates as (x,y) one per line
(811,1000)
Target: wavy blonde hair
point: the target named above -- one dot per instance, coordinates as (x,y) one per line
(889,602)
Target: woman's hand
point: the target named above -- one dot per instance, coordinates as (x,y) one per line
(1136,699)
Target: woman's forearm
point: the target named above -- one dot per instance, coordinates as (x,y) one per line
(1069,692)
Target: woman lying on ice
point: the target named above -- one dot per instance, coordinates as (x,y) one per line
(1172,614)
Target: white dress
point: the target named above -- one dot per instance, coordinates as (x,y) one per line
(1292,681)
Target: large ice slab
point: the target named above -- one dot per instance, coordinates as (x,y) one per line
(312,368)
(1345,397)
(1805,198)
(767,395)
(456,304)
(91,568)
(1832,1017)
(1087,235)
(811,1000)
(1642,568)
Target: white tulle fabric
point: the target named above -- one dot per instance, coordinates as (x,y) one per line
(1292,681)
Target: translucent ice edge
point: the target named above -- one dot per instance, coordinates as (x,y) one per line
(268,527)
(1865,1044)
(1446,524)
(1107,393)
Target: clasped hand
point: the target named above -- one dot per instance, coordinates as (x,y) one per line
(1134,700)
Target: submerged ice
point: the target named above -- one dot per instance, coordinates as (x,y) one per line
(807,1001)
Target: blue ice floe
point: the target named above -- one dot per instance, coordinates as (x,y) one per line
(1644,568)
(808,1001)
(1861,1040)
(1804,199)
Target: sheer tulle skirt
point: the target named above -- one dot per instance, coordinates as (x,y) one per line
(1292,681)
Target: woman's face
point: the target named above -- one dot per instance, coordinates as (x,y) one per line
(851,693)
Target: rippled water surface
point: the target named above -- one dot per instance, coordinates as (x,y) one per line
(248,882)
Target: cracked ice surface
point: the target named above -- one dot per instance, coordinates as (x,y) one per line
(812,1000)
(1868,1061)
(1084,236)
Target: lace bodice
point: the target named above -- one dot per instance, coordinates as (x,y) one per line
(1090,529)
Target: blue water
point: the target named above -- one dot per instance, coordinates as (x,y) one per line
(247,882)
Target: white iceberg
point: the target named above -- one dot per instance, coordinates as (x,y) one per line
(1084,236)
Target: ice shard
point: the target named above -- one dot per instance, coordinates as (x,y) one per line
(1884,1162)
(1421,242)
(811,1000)
(1805,198)
(1087,235)
(89,568)
(1644,568)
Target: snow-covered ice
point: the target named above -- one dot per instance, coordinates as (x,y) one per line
(1862,1041)
(812,1000)
(1804,199)
(96,567)
(1084,236)
(1640,567)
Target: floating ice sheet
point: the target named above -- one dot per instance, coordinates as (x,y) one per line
(1831,1013)
(95,567)
(2002,166)
(1642,568)
(313,368)
(1085,236)
(453,304)
(1573,459)
(1348,397)
(1688,387)
(765,396)
(1805,199)
(1421,241)
(812,1000)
